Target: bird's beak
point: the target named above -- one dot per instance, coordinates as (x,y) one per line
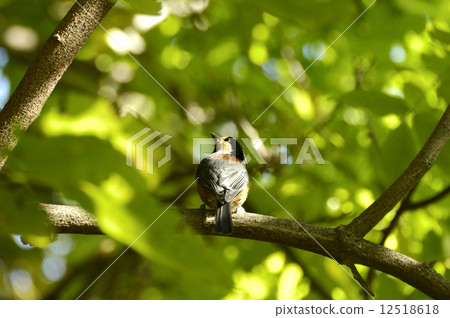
(214,136)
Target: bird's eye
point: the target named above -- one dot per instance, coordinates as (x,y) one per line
(227,139)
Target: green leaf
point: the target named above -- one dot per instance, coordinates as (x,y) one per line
(440,35)
(376,102)
(309,14)
(143,6)
(19,214)
(397,152)
(415,97)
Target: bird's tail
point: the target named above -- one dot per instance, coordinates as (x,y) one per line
(223,219)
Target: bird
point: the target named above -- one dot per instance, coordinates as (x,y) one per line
(223,182)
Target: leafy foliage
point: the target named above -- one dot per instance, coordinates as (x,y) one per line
(369,102)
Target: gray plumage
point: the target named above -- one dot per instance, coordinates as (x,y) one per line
(225,179)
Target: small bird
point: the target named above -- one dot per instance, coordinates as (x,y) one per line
(222,181)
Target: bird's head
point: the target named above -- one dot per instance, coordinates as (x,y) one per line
(228,146)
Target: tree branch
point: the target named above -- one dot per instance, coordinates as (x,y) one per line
(403,207)
(362,224)
(288,233)
(406,205)
(70,219)
(360,279)
(26,103)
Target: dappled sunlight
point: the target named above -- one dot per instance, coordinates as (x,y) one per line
(124,41)
(288,283)
(22,284)
(118,136)
(21,38)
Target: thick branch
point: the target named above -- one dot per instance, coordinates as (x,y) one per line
(287,232)
(362,224)
(58,52)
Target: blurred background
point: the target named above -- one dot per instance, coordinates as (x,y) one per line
(369,103)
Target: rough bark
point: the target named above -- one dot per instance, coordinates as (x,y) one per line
(70,219)
(344,248)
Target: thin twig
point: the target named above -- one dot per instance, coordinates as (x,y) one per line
(362,224)
(433,199)
(406,205)
(360,279)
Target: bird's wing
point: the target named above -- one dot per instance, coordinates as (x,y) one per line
(208,176)
(234,180)
(224,178)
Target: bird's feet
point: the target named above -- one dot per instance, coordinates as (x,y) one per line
(240,210)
